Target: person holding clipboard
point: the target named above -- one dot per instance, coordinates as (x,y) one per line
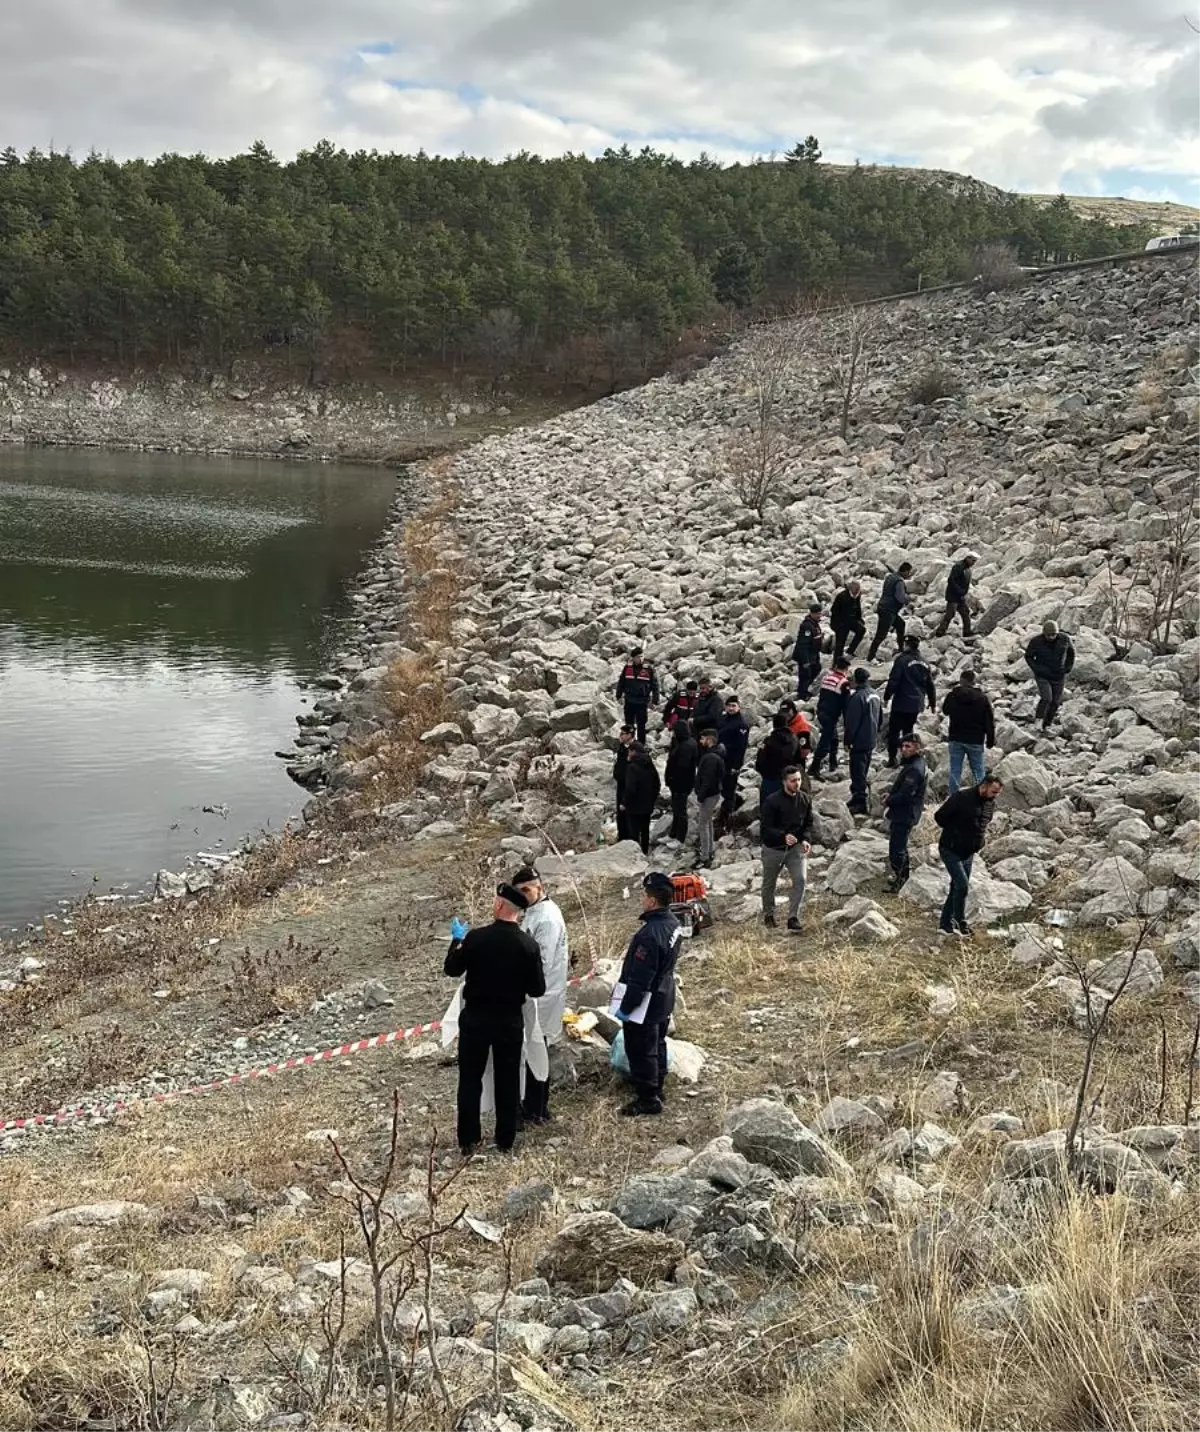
(644,996)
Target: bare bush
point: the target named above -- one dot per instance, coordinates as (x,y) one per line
(852,335)
(756,459)
(275,981)
(933,383)
(756,463)
(1170,574)
(995,267)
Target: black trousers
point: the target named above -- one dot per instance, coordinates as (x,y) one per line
(899,830)
(953,608)
(806,673)
(900,724)
(888,622)
(646,1050)
(679,815)
(729,785)
(638,828)
(504,1041)
(860,770)
(624,825)
(827,748)
(635,716)
(536,1103)
(840,634)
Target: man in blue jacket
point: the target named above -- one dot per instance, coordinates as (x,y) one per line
(861,725)
(649,969)
(807,651)
(909,687)
(892,601)
(733,733)
(904,805)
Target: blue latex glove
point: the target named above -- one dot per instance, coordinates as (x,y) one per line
(624,1018)
(458,928)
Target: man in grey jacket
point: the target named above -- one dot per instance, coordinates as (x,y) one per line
(892,601)
(544,922)
(861,725)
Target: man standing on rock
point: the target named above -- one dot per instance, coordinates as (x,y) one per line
(903,806)
(845,619)
(807,651)
(710,777)
(863,713)
(619,771)
(502,968)
(733,735)
(786,825)
(1051,657)
(972,727)
(544,922)
(648,970)
(832,695)
(909,687)
(683,754)
(958,584)
(641,795)
(892,601)
(774,756)
(637,686)
(709,707)
(964,819)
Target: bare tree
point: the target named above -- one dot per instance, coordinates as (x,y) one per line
(756,458)
(1169,573)
(853,331)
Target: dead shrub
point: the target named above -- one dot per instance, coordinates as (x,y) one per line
(995,267)
(82,1063)
(276,982)
(933,383)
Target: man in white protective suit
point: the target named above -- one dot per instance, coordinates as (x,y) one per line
(544,922)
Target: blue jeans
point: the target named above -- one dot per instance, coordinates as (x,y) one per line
(959,869)
(974,754)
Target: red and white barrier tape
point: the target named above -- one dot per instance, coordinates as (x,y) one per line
(299,1061)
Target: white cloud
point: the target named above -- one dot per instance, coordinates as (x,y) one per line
(1020,93)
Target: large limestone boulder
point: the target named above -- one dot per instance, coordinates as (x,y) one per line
(623,861)
(861,859)
(593,1250)
(766,1131)
(1028,784)
(988,901)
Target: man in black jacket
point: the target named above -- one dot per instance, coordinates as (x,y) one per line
(733,735)
(710,707)
(972,727)
(682,757)
(1050,657)
(637,686)
(964,819)
(641,795)
(892,601)
(958,584)
(774,756)
(710,777)
(786,825)
(903,806)
(846,618)
(619,770)
(832,695)
(861,725)
(909,687)
(503,968)
(807,651)
(649,970)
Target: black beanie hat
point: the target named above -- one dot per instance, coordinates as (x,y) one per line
(512,895)
(527,875)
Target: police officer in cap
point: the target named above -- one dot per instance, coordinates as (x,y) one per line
(502,967)
(649,969)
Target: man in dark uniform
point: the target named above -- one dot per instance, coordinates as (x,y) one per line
(637,686)
(846,620)
(620,771)
(503,968)
(649,969)
(807,651)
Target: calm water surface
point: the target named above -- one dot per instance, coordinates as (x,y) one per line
(156,616)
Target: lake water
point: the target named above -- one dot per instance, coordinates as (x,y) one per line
(156,617)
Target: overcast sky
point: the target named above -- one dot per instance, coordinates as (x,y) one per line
(1088,96)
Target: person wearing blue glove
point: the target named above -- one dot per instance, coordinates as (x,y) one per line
(502,967)
(649,969)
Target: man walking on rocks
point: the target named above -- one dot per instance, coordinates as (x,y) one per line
(1051,657)
(710,777)
(637,686)
(909,687)
(807,651)
(863,713)
(904,805)
(733,735)
(958,584)
(619,772)
(964,819)
(709,707)
(972,727)
(892,601)
(846,619)
(502,968)
(832,695)
(641,795)
(648,971)
(682,757)
(775,755)
(544,922)
(786,824)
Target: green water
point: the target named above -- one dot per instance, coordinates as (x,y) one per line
(156,617)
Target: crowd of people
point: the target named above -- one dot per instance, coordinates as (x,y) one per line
(519,963)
